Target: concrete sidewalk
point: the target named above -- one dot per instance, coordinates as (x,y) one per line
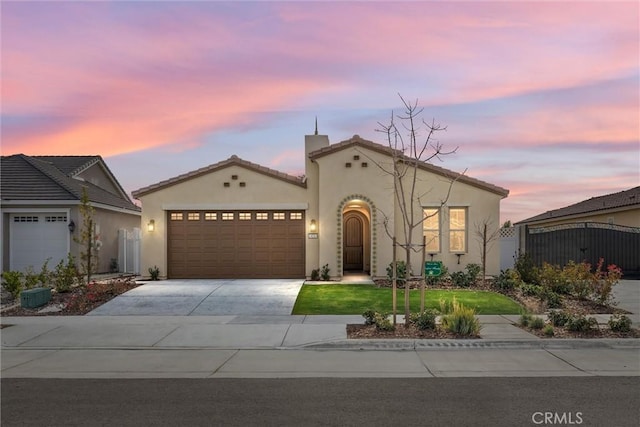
(287,346)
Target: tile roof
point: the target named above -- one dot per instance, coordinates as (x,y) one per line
(51,178)
(356,140)
(231,161)
(620,199)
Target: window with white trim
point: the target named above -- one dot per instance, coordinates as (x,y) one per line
(431,229)
(60,218)
(457,230)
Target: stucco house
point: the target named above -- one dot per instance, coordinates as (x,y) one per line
(237,219)
(606,226)
(40,209)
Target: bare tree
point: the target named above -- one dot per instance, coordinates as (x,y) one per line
(486,236)
(412,143)
(88,254)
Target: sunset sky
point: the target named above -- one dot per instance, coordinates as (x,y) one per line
(542,98)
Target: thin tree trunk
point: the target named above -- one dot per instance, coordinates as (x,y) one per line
(394,284)
(422,283)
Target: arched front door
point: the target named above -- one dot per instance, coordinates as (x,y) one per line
(353,254)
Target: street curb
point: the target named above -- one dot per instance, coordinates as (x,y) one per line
(542,344)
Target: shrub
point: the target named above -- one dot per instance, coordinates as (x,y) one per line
(383,323)
(12,282)
(315,274)
(620,323)
(113,265)
(324,272)
(507,280)
(558,317)
(369,317)
(526,269)
(579,277)
(548,331)
(553,299)
(551,277)
(401,271)
(536,323)
(525,319)
(424,320)
(464,279)
(473,271)
(581,323)
(31,279)
(65,274)
(604,282)
(532,290)
(154,272)
(461,320)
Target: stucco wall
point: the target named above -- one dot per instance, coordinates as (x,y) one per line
(208,192)
(107,223)
(339,183)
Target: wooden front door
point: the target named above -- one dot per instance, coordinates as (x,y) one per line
(353,242)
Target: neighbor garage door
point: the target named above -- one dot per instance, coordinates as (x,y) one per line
(236,244)
(34,238)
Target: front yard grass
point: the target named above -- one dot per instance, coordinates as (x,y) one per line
(355,299)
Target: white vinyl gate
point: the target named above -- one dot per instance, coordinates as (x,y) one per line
(129,251)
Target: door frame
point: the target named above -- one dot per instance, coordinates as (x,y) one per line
(366,238)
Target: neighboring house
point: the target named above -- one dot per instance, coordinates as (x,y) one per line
(239,219)
(40,209)
(601,227)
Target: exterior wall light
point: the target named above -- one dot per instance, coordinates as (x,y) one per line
(313,226)
(151,226)
(71,226)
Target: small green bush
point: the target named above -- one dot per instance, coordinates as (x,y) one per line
(526,269)
(369,317)
(12,282)
(461,320)
(507,280)
(532,290)
(581,323)
(424,320)
(548,331)
(315,274)
(620,323)
(154,272)
(465,279)
(552,298)
(383,323)
(559,317)
(473,271)
(324,273)
(536,323)
(525,319)
(31,278)
(65,274)
(552,279)
(401,271)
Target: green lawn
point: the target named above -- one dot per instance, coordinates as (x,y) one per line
(355,299)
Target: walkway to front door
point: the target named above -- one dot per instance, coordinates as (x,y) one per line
(201,297)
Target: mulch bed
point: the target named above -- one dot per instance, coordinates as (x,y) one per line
(401,332)
(79,300)
(601,332)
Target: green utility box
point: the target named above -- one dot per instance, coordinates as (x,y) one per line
(32,298)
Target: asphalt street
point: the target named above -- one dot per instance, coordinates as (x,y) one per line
(601,401)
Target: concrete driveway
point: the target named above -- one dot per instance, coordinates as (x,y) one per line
(258,297)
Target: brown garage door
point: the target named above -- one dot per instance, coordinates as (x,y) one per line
(236,244)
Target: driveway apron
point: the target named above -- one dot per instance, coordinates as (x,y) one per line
(204,297)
